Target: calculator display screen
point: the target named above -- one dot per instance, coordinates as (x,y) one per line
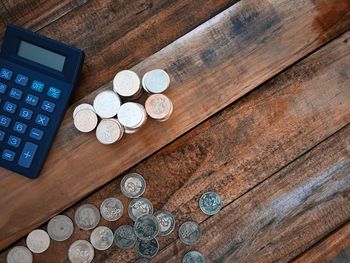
(40,55)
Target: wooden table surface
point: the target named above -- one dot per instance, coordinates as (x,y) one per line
(261,92)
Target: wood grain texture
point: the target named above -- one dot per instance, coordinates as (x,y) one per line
(335,248)
(219,62)
(238,149)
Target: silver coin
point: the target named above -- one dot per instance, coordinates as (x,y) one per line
(210,203)
(147,248)
(81,251)
(138,207)
(124,236)
(193,257)
(166,222)
(130,115)
(19,254)
(60,228)
(133,185)
(83,106)
(87,217)
(38,241)
(146,227)
(189,233)
(143,260)
(126,83)
(101,238)
(109,131)
(85,120)
(107,104)
(111,209)
(156,81)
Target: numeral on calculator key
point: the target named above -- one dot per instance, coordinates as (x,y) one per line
(14,141)
(25,113)
(10,107)
(4,121)
(8,155)
(20,127)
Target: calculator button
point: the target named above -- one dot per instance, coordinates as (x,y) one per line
(10,107)
(25,113)
(38,86)
(22,80)
(2,135)
(54,93)
(20,127)
(27,154)
(14,141)
(36,134)
(16,93)
(3,88)
(6,74)
(42,120)
(48,106)
(32,100)
(8,155)
(4,121)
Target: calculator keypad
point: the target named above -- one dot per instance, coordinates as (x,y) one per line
(32,100)
(25,113)
(16,93)
(6,74)
(8,155)
(22,80)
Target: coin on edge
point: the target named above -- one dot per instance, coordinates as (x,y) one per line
(19,254)
(126,83)
(133,185)
(156,81)
(87,217)
(85,120)
(166,222)
(138,207)
(81,251)
(146,227)
(210,203)
(111,209)
(38,241)
(147,248)
(124,236)
(109,131)
(193,256)
(159,107)
(83,106)
(190,233)
(101,238)
(60,228)
(107,104)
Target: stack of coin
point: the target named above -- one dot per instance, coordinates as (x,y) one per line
(156,81)
(107,104)
(127,84)
(132,116)
(109,131)
(159,107)
(85,118)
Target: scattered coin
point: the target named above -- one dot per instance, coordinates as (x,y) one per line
(38,241)
(60,228)
(124,236)
(85,120)
(189,233)
(111,209)
(193,257)
(143,260)
(107,104)
(156,81)
(109,131)
(159,107)
(166,222)
(83,106)
(210,203)
(147,248)
(87,217)
(81,251)
(133,185)
(132,115)
(19,254)
(101,238)
(127,84)
(146,227)
(138,207)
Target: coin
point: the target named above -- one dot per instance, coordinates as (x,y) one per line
(85,120)
(124,236)
(87,217)
(146,227)
(193,257)
(131,115)
(189,233)
(101,238)
(138,207)
(156,81)
(107,104)
(81,251)
(133,185)
(147,248)
(38,241)
(159,107)
(111,209)
(166,222)
(126,83)
(83,106)
(60,228)
(109,131)
(143,260)
(19,254)
(210,203)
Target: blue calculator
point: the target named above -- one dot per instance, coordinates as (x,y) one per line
(37,77)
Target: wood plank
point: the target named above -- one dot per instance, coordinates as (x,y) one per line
(334,248)
(234,68)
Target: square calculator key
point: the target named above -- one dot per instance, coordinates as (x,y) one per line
(3,88)
(5,121)
(8,155)
(14,141)
(16,93)
(6,74)
(42,120)
(32,100)
(54,93)
(10,107)
(36,134)
(48,106)
(22,80)
(20,127)
(37,86)
(25,113)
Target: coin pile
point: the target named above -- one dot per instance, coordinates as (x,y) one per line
(118,115)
